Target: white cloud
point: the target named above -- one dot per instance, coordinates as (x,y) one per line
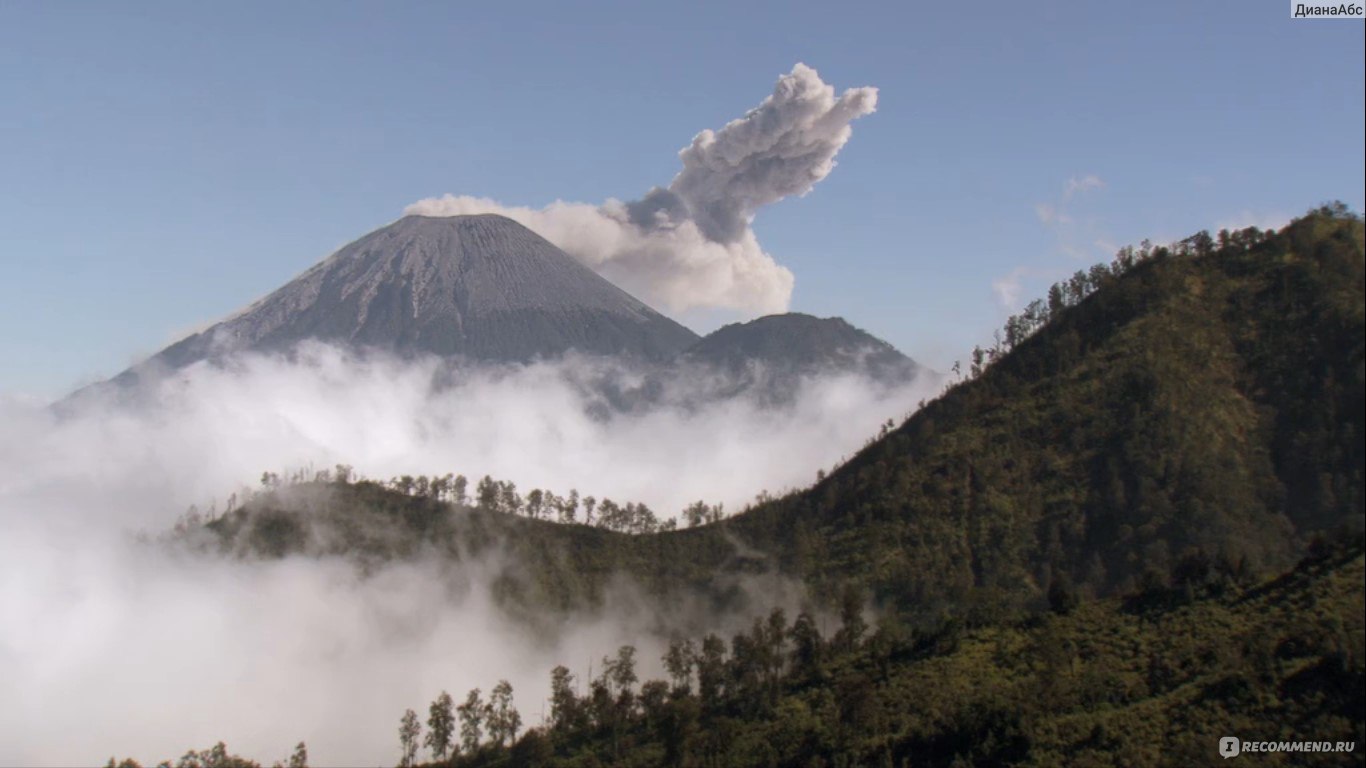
(1073,236)
(690,245)
(1076,237)
(675,268)
(781,148)
(111,646)
(1081,184)
(1050,214)
(1007,289)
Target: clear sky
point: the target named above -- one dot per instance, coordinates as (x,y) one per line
(162,165)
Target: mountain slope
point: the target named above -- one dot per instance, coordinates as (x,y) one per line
(768,361)
(786,347)
(485,288)
(1196,411)
(482,287)
(1172,432)
(1152,680)
(1199,408)
(1155,679)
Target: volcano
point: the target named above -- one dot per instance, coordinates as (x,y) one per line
(480,287)
(486,289)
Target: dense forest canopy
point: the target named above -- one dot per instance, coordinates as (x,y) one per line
(1073,554)
(1202,401)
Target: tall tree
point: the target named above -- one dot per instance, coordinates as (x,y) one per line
(621,671)
(711,671)
(808,649)
(775,651)
(564,704)
(654,696)
(570,506)
(511,500)
(746,669)
(501,716)
(471,720)
(299,757)
(440,726)
(409,729)
(488,495)
(535,504)
(852,625)
(695,514)
(679,660)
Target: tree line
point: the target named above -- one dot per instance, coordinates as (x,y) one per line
(1150,678)
(709,679)
(502,496)
(487,495)
(1071,292)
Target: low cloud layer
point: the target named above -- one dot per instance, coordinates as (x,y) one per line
(112,645)
(690,245)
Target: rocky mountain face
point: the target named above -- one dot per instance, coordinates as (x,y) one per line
(485,288)
(481,287)
(795,344)
(770,359)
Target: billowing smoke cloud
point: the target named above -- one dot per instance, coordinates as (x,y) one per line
(112,645)
(690,245)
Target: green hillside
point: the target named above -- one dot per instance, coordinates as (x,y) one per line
(1154,679)
(1207,404)
(1133,528)
(1201,404)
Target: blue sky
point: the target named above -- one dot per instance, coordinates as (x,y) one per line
(162,165)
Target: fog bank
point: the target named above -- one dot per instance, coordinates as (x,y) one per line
(113,644)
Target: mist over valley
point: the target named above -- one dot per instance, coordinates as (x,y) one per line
(981,417)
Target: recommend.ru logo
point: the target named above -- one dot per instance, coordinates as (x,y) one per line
(1232,746)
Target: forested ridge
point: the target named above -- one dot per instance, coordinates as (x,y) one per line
(1206,402)
(1134,523)
(1201,401)
(1153,678)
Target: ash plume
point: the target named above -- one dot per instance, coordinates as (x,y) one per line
(690,245)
